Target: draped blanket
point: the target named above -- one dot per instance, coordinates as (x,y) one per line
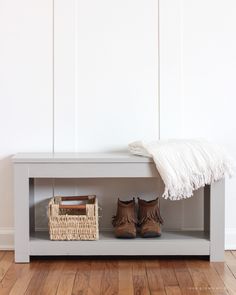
(185,165)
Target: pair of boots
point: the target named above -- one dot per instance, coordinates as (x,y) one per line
(149,219)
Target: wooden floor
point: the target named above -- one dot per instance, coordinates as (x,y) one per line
(162,276)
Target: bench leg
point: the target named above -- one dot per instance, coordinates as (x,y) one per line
(217,221)
(21,194)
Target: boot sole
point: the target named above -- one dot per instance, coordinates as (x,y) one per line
(151,235)
(126,236)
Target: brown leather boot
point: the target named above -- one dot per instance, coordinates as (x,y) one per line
(125,220)
(149,218)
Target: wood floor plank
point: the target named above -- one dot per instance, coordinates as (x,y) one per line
(184,278)
(226,276)
(24,279)
(125,278)
(234,253)
(121,277)
(167,273)
(159,292)
(10,278)
(96,274)
(2,254)
(230,257)
(155,281)
(37,281)
(140,278)
(82,278)
(67,278)
(5,263)
(231,262)
(215,282)
(173,290)
(200,281)
(110,278)
(52,280)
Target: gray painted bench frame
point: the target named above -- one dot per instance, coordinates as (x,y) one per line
(27,167)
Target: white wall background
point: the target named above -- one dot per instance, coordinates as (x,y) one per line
(105,80)
(25,92)
(209,78)
(106,73)
(198,57)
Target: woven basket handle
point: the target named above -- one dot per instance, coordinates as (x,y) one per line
(74,198)
(82,207)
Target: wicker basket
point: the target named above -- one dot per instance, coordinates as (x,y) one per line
(77,221)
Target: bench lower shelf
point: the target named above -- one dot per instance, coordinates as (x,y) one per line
(170,243)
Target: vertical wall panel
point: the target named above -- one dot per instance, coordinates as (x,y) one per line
(170,68)
(209,49)
(25,87)
(170,25)
(64,80)
(106,73)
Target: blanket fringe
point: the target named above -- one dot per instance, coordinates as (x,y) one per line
(186,165)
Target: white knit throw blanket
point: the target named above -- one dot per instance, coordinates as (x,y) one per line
(185,165)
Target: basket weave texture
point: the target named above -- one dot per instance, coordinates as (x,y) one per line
(70,224)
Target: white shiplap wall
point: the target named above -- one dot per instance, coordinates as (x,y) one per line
(209,78)
(106,77)
(25,92)
(198,61)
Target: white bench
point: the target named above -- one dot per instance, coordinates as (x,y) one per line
(28,167)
